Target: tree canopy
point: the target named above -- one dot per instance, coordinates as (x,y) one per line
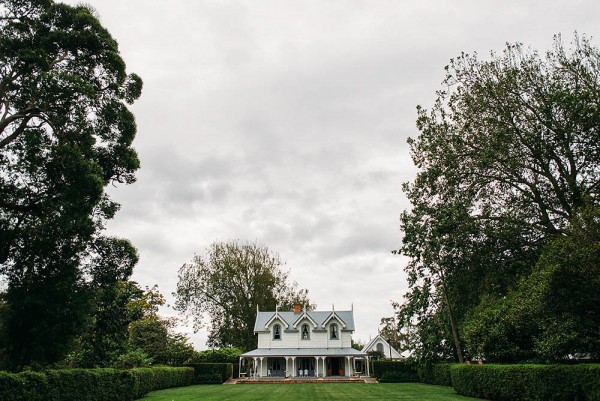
(222,289)
(509,158)
(65,133)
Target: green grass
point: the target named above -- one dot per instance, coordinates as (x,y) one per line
(308,392)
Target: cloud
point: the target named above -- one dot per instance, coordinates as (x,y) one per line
(285,122)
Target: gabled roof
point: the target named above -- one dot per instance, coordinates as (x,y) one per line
(275,317)
(371,346)
(264,319)
(334,315)
(303,316)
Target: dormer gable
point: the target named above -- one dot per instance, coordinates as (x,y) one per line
(305,316)
(274,318)
(334,316)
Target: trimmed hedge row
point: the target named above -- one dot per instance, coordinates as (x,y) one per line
(395,371)
(528,382)
(206,373)
(235,370)
(437,373)
(90,384)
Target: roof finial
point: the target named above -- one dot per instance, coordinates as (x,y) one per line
(333,307)
(256,308)
(352,306)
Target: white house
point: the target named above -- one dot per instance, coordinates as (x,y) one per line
(303,343)
(380,344)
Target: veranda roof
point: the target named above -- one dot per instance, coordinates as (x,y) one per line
(281,352)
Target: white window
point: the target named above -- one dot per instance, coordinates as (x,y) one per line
(333,332)
(305,332)
(277,332)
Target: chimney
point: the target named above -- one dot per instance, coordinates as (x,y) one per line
(297,308)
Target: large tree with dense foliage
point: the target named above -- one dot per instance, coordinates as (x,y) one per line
(508,156)
(552,314)
(222,289)
(117,304)
(65,133)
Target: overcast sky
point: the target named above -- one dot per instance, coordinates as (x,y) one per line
(285,123)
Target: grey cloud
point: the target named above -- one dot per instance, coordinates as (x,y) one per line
(285,122)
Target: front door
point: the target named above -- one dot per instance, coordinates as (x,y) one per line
(335,367)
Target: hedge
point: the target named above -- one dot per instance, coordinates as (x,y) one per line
(528,382)
(90,384)
(204,371)
(235,370)
(436,373)
(396,371)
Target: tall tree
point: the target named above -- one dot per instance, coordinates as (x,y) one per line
(106,335)
(222,289)
(65,133)
(554,313)
(508,154)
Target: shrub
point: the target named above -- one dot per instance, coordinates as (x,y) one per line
(90,384)
(27,386)
(219,355)
(235,370)
(213,378)
(396,377)
(405,370)
(136,358)
(436,373)
(528,382)
(202,370)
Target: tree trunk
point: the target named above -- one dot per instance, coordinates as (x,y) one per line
(457,345)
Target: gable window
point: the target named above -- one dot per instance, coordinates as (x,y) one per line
(305,332)
(277,332)
(380,347)
(333,332)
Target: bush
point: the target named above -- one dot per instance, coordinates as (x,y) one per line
(90,384)
(436,373)
(28,386)
(396,377)
(398,371)
(133,359)
(235,370)
(528,382)
(213,378)
(203,370)
(219,355)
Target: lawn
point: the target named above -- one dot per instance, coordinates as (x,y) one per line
(308,392)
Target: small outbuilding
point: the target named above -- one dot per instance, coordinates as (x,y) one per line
(380,344)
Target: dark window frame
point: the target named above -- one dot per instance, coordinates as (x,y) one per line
(334,333)
(277,332)
(304,332)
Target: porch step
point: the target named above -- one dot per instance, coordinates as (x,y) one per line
(294,380)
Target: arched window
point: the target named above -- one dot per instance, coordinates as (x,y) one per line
(277,332)
(333,332)
(305,332)
(380,347)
